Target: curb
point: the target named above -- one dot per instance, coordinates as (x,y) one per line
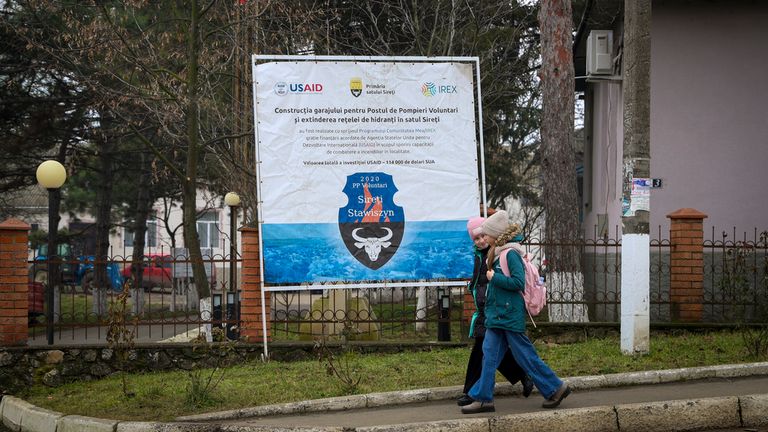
(717,412)
(680,415)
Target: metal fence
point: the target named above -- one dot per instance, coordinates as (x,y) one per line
(399,313)
(736,276)
(162,301)
(163,306)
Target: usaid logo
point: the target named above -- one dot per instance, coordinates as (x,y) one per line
(430,89)
(283,88)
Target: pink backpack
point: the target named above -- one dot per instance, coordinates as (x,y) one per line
(535,293)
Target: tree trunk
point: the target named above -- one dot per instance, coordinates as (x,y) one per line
(103,222)
(245,155)
(139,225)
(565,280)
(189,188)
(166,219)
(139,228)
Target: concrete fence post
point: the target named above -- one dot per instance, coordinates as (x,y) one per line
(686,288)
(14,323)
(250,307)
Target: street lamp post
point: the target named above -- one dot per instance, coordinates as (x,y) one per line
(233,201)
(51,175)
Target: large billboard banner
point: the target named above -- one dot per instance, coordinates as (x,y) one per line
(368,169)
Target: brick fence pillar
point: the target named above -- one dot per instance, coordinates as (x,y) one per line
(14,235)
(686,289)
(250,306)
(469,307)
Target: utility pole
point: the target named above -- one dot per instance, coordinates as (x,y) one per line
(635,240)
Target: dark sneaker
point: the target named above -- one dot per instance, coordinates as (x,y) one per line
(478,407)
(464,400)
(527,386)
(560,394)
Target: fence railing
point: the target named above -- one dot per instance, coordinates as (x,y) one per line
(163,298)
(164,305)
(736,276)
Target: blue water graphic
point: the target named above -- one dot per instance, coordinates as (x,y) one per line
(298,253)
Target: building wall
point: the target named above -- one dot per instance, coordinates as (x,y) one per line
(709,115)
(709,119)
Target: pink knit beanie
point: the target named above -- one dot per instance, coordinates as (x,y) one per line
(473,224)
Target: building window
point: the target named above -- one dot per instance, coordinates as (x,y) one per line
(150,236)
(208,229)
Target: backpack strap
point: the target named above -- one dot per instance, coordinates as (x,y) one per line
(503,262)
(503,257)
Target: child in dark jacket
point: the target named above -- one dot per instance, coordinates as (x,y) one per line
(505,321)
(477,286)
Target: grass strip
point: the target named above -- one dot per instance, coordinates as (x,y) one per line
(162,396)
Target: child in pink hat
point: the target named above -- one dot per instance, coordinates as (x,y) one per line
(477,286)
(505,320)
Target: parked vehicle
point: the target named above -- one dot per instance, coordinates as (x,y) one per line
(157,271)
(73,270)
(36,300)
(86,269)
(38,272)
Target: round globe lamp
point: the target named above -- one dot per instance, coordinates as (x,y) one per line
(51,174)
(232,199)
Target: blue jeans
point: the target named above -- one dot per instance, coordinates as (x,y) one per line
(494,346)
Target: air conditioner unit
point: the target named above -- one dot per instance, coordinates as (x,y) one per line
(599,47)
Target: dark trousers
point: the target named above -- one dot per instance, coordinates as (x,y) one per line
(508,366)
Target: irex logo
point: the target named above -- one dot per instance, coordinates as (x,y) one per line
(430,89)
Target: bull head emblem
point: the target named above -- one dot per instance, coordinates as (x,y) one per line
(371,224)
(372,245)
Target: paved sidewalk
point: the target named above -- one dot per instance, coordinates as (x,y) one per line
(729,396)
(726,398)
(510,405)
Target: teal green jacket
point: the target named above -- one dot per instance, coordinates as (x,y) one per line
(504,304)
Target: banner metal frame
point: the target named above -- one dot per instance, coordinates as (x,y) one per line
(256,58)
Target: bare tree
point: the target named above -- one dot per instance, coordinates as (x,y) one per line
(172,65)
